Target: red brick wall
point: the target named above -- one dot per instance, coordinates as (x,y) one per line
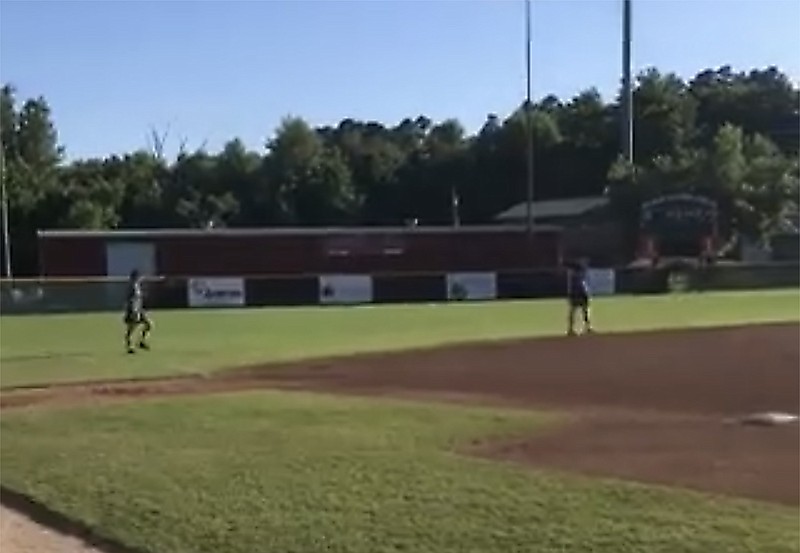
(259,255)
(217,255)
(73,257)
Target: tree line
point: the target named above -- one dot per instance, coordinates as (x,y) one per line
(726,134)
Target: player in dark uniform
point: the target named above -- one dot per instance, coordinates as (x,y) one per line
(578,296)
(135,315)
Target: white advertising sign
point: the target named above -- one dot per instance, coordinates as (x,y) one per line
(338,289)
(471,286)
(601,282)
(216,292)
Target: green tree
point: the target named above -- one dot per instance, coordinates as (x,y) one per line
(728,163)
(771,185)
(86,198)
(373,154)
(292,154)
(761,101)
(310,184)
(239,170)
(586,121)
(141,176)
(325,195)
(31,157)
(664,115)
(9,123)
(198,197)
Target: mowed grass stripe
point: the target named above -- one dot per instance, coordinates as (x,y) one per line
(42,349)
(280,472)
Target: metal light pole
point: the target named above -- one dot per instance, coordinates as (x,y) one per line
(528,122)
(4,208)
(627,86)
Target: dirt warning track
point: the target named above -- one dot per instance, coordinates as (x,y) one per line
(648,406)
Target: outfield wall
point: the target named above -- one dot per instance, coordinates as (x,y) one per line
(79,295)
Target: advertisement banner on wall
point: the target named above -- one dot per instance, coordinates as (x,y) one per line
(471,286)
(344,289)
(216,292)
(601,282)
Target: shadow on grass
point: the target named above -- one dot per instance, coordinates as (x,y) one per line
(89,383)
(43,356)
(40,513)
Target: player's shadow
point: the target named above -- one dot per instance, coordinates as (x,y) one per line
(39,512)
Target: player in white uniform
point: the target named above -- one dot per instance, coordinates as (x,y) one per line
(135,315)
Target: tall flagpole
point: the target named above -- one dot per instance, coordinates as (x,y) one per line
(528,122)
(627,85)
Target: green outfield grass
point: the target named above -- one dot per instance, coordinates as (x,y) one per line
(287,472)
(40,349)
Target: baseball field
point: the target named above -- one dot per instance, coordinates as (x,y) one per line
(474,427)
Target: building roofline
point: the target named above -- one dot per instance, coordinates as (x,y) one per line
(562,207)
(281,231)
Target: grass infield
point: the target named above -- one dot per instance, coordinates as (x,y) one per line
(305,473)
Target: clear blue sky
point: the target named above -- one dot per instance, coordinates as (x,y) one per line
(213,70)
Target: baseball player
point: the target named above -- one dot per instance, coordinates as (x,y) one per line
(135,315)
(578,296)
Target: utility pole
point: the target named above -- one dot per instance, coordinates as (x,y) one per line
(627,85)
(528,122)
(4,208)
